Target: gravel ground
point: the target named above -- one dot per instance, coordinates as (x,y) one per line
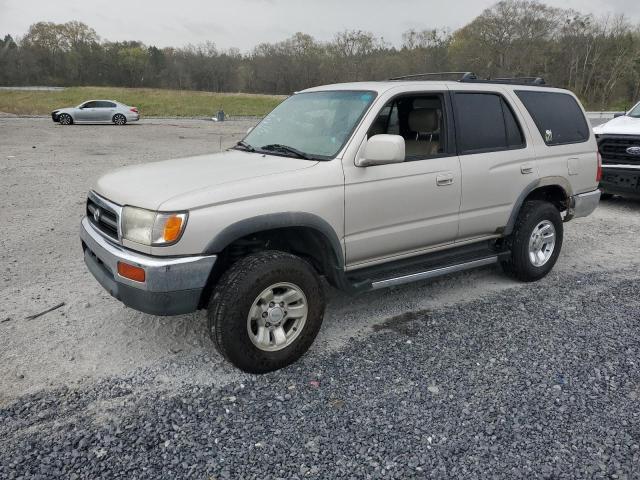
(504,387)
(471,376)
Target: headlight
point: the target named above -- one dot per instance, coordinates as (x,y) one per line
(152,228)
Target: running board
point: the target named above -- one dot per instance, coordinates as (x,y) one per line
(436,272)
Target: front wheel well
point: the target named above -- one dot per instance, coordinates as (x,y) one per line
(305,242)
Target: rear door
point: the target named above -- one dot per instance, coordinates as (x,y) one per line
(497,159)
(105,111)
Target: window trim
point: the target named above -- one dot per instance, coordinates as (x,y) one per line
(447,111)
(555,144)
(507,148)
(106,104)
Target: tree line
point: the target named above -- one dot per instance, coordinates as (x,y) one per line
(597,58)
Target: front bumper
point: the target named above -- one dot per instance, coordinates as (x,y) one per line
(172,286)
(583,204)
(621,180)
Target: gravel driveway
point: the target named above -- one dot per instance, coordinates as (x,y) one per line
(472,376)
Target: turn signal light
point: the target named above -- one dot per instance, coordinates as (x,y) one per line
(131,272)
(172,228)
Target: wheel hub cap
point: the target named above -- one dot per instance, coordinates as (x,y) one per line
(542,243)
(277,316)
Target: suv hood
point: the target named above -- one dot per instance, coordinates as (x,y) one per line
(152,184)
(624,125)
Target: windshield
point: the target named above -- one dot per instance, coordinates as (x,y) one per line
(635,111)
(313,125)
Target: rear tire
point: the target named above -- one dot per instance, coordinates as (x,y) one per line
(119,119)
(606,196)
(255,312)
(65,119)
(536,241)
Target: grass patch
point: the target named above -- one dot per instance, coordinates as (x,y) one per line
(150,101)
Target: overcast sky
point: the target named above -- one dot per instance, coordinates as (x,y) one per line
(245,23)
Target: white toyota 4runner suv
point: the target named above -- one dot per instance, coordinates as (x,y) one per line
(368,185)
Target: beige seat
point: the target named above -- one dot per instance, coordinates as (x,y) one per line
(424,123)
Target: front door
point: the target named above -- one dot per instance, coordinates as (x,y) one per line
(87,112)
(405,208)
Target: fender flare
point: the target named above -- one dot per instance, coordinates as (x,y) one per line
(273,221)
(541,182)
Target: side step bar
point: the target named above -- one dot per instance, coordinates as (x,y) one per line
(436,272)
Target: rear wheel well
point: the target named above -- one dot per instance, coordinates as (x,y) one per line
(304,242)
(554,194)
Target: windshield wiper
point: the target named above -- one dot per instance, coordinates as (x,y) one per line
(277,147)
(244,146)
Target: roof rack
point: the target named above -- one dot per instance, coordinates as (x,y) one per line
(464,76)
(471,77)
(511,80)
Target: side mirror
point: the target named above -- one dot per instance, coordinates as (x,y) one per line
(619,114)
(382,150)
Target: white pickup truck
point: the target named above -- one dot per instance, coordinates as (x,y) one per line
(368,185)
(619,145)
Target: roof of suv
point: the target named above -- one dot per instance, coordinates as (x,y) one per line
(383,86)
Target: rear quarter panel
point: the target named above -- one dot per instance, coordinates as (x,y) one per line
(576,162)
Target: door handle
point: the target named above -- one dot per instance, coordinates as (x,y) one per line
(444,179)
(526,168)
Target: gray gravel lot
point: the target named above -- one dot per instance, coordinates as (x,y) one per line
(471,376)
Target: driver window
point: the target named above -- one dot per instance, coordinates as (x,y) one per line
(89,105)
(419,119)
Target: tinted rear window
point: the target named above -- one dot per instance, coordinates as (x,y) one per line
(485,123)
(558,116)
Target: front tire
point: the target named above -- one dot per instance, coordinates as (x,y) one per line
(119,119)
(266,311)
(65,119)
(536,241)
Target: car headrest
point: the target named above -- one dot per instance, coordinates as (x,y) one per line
(423,120)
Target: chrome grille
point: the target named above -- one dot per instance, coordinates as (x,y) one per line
(104,215)
(614,149)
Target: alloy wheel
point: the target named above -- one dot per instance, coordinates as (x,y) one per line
(277,316)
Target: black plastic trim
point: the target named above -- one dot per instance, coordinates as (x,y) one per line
(273,221)
(541,182)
